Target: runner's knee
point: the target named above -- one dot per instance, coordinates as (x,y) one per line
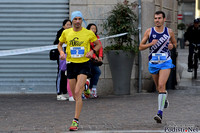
(161,87)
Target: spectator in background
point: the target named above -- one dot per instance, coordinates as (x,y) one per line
(61,80)
(193,36)
(96,72)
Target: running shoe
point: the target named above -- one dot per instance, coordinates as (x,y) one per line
(83,96)
(87,84)
(61,97)
(87,93)
(87,90)
(66,96)
(71,99)
(93,94)
(74,126)
(158,118)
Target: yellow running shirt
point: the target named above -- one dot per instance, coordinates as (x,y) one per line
(78,44)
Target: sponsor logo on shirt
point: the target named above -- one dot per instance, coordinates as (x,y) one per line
(160,42)
(75,42)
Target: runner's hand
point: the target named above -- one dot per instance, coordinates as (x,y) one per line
(89,54)
(100,59)
(62,55)
(170,46)
(154,41)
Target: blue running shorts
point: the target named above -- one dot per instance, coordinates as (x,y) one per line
(155,68)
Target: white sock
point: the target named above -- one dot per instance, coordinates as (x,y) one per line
(161,101)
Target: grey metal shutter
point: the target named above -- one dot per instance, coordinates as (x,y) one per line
(24,24)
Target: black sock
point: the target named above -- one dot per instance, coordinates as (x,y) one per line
(76,119)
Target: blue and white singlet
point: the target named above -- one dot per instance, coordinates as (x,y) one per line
(162,45)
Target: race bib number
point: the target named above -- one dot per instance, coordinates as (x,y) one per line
(77,52)
(159,57)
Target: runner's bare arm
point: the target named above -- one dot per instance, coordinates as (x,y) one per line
(96,48)
(143,44)
(98,45)
(60,49)
(173,43)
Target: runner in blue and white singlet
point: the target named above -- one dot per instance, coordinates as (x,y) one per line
(159,54)
(159,40)
(162,45)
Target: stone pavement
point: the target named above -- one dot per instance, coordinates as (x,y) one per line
(27,113)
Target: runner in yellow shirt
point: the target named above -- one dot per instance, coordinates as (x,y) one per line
(78,52)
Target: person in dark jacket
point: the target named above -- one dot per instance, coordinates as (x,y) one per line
(61,80)
(192,35)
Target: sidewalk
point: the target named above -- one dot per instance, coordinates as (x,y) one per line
(42,113)
(112,114)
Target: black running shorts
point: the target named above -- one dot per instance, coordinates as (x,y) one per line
(75,69)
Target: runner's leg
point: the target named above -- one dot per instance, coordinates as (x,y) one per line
(162,80)
(155,79)
(72,84)
(79,88)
